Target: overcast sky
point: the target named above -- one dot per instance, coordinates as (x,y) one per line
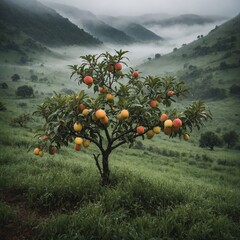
(135,7)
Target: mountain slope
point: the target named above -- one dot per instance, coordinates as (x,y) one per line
(210,65)
(130,26)
(88,21)
(42,23)
(185,19)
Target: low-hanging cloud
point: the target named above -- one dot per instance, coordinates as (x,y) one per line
(228,8)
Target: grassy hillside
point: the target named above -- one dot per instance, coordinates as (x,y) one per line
(210,68)
(42,24)
(161,190)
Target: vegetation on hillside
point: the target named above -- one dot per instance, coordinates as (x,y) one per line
(32,17)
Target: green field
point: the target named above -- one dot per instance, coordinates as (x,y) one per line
(161,188)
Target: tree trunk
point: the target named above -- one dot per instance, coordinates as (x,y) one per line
(105,169)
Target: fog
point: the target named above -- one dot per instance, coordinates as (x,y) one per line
(135,7)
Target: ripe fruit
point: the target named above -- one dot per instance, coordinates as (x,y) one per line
(167,130)
(140,129)
(88,80)
(157,129)
(77,147)
(186,136)
(110,97)
(175,129)
(135,74)
(100,114)
(86,143)
(124,114)
(41,153)
(103,89)
(177,122)
(85,112)
(36,151)
(170,93)
(104,120)
(163,117)
(153,103)
(118,66)
(150,134)
(168,123)
(52,150)
(82,107)
(78,140)
(77,127)
(45,137)
(120,117)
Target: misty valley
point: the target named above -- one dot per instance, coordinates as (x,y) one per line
(118,127)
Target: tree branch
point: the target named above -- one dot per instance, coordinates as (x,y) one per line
(119,144)
(96,157)
(122,134)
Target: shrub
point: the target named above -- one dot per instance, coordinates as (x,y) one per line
(24,91)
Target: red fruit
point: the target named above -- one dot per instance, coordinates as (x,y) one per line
(170,93)
(52,150)
(177,122)
(163,117)
(45,137)
(135,74)
(77,147)
(118,66)
(88,80)
(140,129)
(153,103)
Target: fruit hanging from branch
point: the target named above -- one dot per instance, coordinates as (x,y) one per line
(116,109)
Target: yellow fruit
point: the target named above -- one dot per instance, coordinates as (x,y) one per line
(100,114)
(86,143)
(41,153)
(77,127)
(120,117)
(78,140)
(168,123)
(110,97)
(150,134)
(157,129)
(36,151)
(85,112)
(124,114)
(186,136)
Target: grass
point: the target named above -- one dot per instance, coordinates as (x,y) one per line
(161,189)
(152,196)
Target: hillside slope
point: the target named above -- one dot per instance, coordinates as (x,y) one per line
(89,21)
(207,63)
(42,23)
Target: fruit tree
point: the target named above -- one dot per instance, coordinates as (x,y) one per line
(116,109)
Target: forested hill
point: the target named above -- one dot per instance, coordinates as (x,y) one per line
(42,23)
(210,65)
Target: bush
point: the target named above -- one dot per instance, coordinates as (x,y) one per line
(15,77)
(24,91)
(2,107)
(4,86)
(21,120)
(234,89)
(210,140)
